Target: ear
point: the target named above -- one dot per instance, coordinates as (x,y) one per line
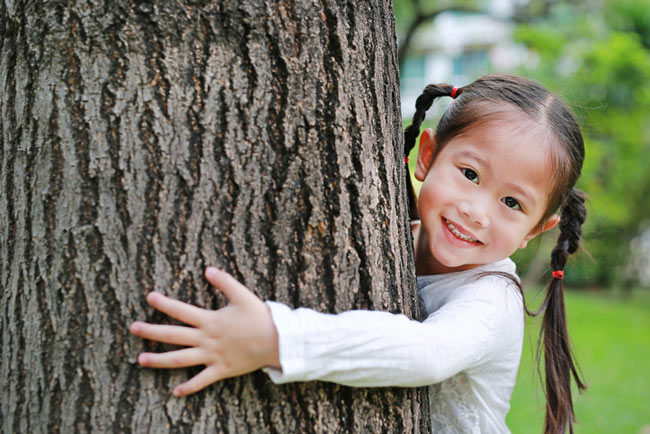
(549,224)
(428,149)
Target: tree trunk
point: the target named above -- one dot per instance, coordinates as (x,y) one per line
(142,142)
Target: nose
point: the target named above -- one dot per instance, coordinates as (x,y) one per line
(475,211)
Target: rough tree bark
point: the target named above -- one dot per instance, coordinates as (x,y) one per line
(141,142)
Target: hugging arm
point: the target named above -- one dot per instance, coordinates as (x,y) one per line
(354,348)
(376,349)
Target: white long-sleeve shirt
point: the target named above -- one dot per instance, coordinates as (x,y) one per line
(467,349)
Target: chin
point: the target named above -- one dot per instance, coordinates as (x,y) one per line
(449,261)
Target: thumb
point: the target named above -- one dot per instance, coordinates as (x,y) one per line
(235,291)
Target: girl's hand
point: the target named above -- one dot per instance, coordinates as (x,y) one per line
(231,341)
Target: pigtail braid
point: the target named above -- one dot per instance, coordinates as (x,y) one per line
(422,104)
(559,361)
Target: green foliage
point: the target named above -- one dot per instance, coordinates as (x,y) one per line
(599,60)
(630,16)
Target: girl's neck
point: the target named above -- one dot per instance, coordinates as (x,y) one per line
(425,263)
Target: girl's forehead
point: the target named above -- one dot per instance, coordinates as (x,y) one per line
(514,133)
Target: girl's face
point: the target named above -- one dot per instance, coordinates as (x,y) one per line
(484,192)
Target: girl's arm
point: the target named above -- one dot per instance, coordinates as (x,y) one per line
(375,349)
(231,341)
(355,348)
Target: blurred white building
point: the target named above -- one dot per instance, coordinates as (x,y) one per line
(458,47)
(638,269)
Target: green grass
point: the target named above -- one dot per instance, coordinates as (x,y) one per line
(611,340)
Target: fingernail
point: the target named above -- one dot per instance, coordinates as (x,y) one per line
(142,359)
(211,272)
(135,327)
(177,392)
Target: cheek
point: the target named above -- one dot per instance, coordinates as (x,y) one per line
(439,185)
(511,234)
(431,196)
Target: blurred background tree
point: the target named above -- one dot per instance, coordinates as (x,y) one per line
(414,14)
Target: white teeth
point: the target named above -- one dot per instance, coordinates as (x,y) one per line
(458,234)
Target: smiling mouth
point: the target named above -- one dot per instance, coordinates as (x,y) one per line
(459,234)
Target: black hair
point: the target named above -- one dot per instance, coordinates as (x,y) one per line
(487,99)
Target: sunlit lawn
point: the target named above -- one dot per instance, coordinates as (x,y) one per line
(611,338)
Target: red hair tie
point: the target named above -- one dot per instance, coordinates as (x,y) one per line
(558,274)
(454,92)
(406,160)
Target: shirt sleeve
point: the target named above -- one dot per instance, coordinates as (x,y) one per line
(373,348)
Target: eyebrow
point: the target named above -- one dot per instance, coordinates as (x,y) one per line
(517,188)
(523,192)
(473,156)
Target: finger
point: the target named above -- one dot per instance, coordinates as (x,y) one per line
(201,380)
(169,334)
(173,359)
(235,291)
(187,313)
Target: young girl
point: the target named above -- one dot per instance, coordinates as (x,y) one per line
(500,166)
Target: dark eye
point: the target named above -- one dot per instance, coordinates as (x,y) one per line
(511,202)
(471,175)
